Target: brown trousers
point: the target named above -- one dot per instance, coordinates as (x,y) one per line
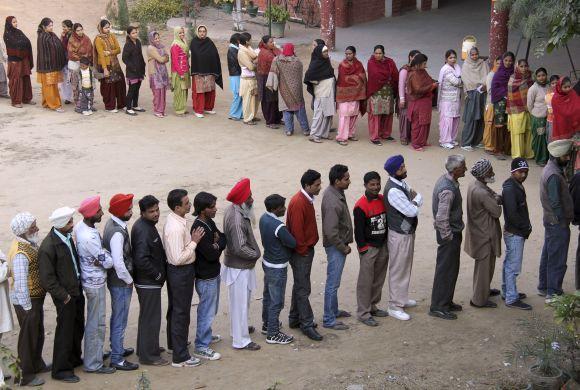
(31,339)
(19,84)
(482,276)
(501,140)
(371,278)
(401,250)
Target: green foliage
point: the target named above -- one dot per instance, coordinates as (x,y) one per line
(567,310)
(143,382)
(111,12)
(223,1)
(9,360)
(279,14)
(144,34)
(155,11)
(123,14)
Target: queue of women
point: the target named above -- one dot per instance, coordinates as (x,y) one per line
(507,110)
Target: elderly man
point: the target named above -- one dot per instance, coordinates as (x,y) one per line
(27,296)
(242,252)
(483,231)
(448,216)
(95,260)
(60,277)
(403,205)
(558,208)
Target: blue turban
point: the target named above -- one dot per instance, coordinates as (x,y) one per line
(393,164)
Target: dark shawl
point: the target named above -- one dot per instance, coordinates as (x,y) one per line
(205,59)
(499,83)
(319,69)
(51,56)
(381,73)
(18,46)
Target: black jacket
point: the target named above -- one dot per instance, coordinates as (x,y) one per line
(575,192)
(207,257)
(233,65)
(133,59)
(515,209)
(57,272)
(149,260)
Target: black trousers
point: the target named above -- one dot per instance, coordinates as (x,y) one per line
(31,339)
(149,324)
(70,328)
(446,272)
(132,99)
(300,309)
(181,279)
(169,313)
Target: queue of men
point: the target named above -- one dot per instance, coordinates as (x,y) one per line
(77,272)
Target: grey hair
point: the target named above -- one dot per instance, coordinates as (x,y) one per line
(454,161)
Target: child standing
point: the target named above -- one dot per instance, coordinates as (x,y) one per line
(86,87)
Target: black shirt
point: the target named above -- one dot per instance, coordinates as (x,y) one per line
(207,256)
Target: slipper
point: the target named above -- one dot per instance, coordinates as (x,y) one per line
(353,138)
(250,123)
(315,140)
(342,143)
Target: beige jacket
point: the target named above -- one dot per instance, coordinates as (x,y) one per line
(152,57)
(483,230)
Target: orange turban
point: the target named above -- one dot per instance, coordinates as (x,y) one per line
(120,204)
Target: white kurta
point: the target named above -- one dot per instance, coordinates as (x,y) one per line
(6,321)
(240,283)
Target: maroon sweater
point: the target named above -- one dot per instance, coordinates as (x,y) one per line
(301,222)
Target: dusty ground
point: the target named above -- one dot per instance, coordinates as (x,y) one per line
(48,160)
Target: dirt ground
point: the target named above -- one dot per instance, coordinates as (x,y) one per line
(48,160)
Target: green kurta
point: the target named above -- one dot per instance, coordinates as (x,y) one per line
(539,140)
(180,87)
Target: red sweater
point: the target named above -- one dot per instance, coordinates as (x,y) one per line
(301,222)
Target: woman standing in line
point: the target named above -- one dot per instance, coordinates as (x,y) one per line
(519,121)
(474,76)
(549,95)
(248,60)
(79,45)
(20,63)
(566,108)
(539,111)
(320,82)
(51,60)
(135,69)
(235,72)
(500,138)
(268,99)
(106,50)
(65,88)
(449,101)
(157,57)
(180,76)
(382,87)
(421,87)
(206,70)
(404,124)
(488,118)
(350,95)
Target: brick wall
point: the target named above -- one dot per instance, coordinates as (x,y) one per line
(402,6)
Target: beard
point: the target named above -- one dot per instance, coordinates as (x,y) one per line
(32,238)
(249,213)
(489,180)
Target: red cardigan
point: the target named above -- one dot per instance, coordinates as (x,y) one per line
(301,222)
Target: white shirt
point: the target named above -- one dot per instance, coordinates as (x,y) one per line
(399,200)
(90,249)
(116,244)
(179,248)
(310,198)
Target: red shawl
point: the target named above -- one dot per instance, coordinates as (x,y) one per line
(517,92)
(419,84)
(566,108)
(381,73)
(352,81)
(265,58)
(79,47)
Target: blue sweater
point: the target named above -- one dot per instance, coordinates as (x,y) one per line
(276,239)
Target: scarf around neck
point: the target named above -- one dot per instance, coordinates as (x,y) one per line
(474,73)
(517,91)
(381,73)
(352,81)
(499,84)
(205,59)
(265,58)
(51,56)
(80,47)
(319,69)
(566,111)
(18,46)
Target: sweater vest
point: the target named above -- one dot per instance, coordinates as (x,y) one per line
(456,207)
(396,220)
(110,229)
(34,287)
(552,169)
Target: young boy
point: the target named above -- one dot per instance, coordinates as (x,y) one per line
(86,86)
(278,243)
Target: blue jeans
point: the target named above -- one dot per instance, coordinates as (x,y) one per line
(512,266)
(236,107)
(336,260)
(209,295)
(273,302)
(554,257)
(302,119)
(120,303)
(95,327)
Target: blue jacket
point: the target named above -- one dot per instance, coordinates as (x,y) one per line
(276,239)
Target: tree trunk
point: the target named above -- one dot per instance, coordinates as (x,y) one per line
(237,16)
(498,32)
(328,22)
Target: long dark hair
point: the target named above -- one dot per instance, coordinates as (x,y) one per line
(45,22)
(419,59)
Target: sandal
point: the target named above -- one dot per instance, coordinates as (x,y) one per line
(353,138)
(315,140)
(342,143)
(250,123)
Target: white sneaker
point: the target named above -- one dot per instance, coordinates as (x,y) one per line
(447,146)
(113,111)
(199,115)
(455,143)
(192,362)
(399,314)
(87,113)
(208,354)
(467,148)
(210,112)
(411,303)
(216,338)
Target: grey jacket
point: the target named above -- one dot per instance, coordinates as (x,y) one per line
(242,250)
(336,223)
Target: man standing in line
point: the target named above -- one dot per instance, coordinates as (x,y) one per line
(149,272)
(119,279)
(301,222)
(60,277)
(403,205)
(180,247)
(448,216)
(241,254)
(483,231)
(558,209)
(337,234)
(370,233)
(27,296)
(94,261)
(517,229)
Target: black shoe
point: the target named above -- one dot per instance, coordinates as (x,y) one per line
(343,314)
(486,305)
(494,292)
(125,366)
(47,368)
(67,102)
(103,370)
(379,313)
(520,296)
(519,305)
(377,142)
(251,329)
(370,322)
(312,334)
(445,315)
(280,338)
(264,330)
(296,325)
(455,307)
(68,379)
(128,352)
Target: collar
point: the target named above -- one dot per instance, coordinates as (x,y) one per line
(234,46)
(118,221)
(65,239)
(371,199)
(177,218)
(339,193)
(25,241)
(273,216)
(310,198)
(402,183)
(450,177)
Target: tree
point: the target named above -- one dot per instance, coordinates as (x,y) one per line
(123,15)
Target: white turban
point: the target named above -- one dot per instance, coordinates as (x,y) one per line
(61,216)
(21,223)
(560,147)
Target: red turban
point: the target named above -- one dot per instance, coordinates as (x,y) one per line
(90,206)
(288,49)
(240,193)
(120,204)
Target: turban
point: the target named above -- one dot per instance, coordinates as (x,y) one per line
(480,168)
(560,147)
(519,163)
(120,204)
(21,223)
(240,193)
(61,216)
(90,206)
(393,164)
(288,49)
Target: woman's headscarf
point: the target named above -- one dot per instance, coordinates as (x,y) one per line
(500,81)
(473,72)
(78,45)
(205,58)
(566,110)
(18,46)
(319,69)
(288,49)
(178,41)
(51,56)
(352,82)
(266,56)
(381,73)
(159,46)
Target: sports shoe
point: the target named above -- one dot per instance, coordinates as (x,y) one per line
(447,146)
(264,330)
(216,338)
(36,381)
(113,111)
(519,305)
(467,148)
(199,115)
(280,338)
(87,113)
(455,143)
(542,293)
(399,314)
(210,112)
(208,354)
(410,303)
(192,362)
(139,109)
(130,112)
